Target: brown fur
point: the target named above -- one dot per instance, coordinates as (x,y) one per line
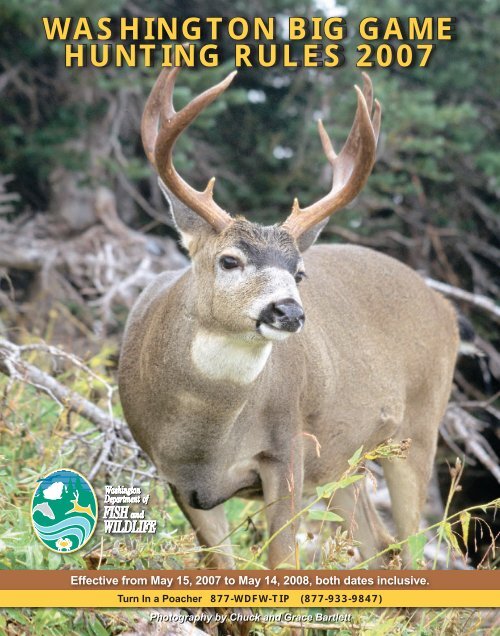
(374,360)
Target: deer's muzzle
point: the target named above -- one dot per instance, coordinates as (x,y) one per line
(285,315)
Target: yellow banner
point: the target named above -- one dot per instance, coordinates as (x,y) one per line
(244,598)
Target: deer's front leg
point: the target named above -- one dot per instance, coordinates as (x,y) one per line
(212,529)
(282,482)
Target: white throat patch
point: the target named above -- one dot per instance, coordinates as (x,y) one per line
(224,358)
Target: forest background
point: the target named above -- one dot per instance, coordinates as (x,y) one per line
(83,227)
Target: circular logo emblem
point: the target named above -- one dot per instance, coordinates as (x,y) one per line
(64,510)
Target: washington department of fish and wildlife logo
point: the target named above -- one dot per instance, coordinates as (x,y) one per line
(64,510)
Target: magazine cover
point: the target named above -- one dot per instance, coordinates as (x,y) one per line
(249,368)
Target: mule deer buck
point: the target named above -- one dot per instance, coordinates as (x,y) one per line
(227,386)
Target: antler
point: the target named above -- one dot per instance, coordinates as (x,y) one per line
(351,168)
(161,126)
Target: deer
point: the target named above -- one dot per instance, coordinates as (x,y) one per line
(78,508)
(235,370)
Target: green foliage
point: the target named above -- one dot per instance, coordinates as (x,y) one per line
(440,122)
(416,545)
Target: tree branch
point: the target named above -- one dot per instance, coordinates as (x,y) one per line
(483,302)
(12,365)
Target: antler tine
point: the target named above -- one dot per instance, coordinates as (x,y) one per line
(367,91)
(162,125)
(377,111)
(377,119)
(151,115)
(351,167)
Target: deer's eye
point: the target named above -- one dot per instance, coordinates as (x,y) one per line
(230,262)
(299,276)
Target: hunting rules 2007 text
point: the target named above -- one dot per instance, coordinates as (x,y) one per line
(264,42)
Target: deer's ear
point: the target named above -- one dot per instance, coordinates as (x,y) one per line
(307,239)
(191,227)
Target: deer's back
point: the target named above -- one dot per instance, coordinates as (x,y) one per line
(370,297)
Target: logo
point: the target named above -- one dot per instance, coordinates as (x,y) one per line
(64,510)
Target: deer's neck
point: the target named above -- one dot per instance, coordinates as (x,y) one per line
(224,357)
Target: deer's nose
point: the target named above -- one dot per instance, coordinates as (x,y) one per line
(286,314)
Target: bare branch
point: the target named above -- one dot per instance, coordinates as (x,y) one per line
(12,365)
(483,302)
(463,427)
